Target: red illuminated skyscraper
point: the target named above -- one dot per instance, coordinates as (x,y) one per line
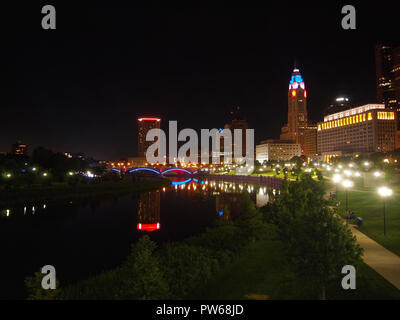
(145,124)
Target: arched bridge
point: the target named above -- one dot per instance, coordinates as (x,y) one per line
(162,171)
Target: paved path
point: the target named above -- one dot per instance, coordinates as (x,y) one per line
(383,261)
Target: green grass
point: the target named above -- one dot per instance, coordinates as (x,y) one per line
(366,203)
(262,273)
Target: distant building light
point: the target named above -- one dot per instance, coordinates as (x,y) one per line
(149,119)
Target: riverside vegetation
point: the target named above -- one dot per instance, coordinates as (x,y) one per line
(296,245)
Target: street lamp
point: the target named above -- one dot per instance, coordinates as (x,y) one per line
(337,178)
(347,184)
(384,192)
(377,174)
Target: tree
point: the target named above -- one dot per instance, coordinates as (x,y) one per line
(146,280)
(36,292)
(317,243)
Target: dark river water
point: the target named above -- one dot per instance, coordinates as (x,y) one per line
(82,238)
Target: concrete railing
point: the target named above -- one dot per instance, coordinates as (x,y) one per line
(271,182)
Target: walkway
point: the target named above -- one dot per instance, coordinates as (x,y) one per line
(383,261)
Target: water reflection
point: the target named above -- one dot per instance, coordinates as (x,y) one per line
(227,195)
(262,197)
(149,211)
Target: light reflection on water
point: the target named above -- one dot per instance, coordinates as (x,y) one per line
(84,237)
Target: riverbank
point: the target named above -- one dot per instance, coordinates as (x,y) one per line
(262,273)
(61,191)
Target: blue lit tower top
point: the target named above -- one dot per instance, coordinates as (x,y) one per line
(296,81)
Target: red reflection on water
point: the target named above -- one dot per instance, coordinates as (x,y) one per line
(149,227)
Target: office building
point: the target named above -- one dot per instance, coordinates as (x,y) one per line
(277,150)
(388,75)
(237,121)
(310,140)
(19,148)
(145,124)
(365,129)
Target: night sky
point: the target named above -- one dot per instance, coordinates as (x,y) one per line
(81,87)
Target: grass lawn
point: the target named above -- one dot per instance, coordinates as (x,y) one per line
(366,203)
(262,273)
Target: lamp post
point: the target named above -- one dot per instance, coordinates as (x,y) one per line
(347,184)
(337,178)
(384,192)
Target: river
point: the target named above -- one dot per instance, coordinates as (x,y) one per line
(82,238)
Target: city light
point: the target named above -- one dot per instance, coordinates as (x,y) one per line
(385,192)
(347,173)
(377,174)
(347,184)
(337,178)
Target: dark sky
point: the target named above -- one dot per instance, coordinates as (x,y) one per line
(81,87)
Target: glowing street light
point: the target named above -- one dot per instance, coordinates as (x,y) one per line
(384,192)
(347,173)
(347,184)
(337,178)
(377,174)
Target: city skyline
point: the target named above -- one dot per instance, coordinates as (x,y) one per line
(82,89)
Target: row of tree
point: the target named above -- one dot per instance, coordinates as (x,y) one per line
(43,167)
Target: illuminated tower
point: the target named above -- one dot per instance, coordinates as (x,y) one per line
(145,124)
(297,111)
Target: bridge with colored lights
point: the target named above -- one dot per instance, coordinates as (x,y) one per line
(161,172)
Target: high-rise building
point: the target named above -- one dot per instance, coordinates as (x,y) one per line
(237,122)
(297,112)
(310,140)
(388,75)
(365,129)
(19,148)
(145,124)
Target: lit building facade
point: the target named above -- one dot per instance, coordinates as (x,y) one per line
(310,140)
(277,150)
(297,112)
(19,148)
(145,124)
(365,129)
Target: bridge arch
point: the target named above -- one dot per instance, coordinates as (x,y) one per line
(144,169)
(177,170)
